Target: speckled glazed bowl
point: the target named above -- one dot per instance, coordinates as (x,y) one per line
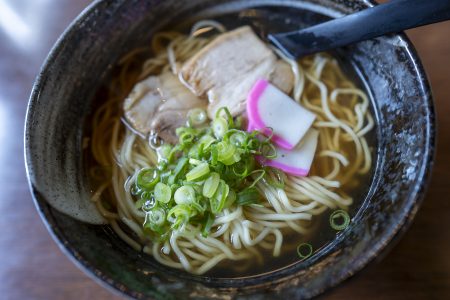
(388,68)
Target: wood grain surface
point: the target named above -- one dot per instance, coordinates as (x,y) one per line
(32,266)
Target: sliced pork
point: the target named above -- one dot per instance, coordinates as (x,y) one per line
(227,68)
(159,104)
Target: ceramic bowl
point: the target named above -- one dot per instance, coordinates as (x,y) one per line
(62,97)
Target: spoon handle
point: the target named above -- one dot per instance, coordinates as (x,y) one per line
(394,16)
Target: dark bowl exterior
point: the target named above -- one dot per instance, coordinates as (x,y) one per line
(82,58)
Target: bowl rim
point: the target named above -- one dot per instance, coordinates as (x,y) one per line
(380,248)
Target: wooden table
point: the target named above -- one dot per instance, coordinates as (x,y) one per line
(32,266)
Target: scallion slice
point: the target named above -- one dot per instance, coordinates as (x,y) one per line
(197,116)
(163,193)
(207,225)
(244,167)
(227,153)
(214,154)
(238,138)
(339,220)
(220,127)
(217,202)
(184,195)
(207,141)
(211,184)
(258,175)
(182,163)
(227,114)
(147,178)
(304,250)
(138,204)
(179,215)
(277,179)
(231,198)
(248,196)
(155,220)
(164,152)
(194,161)
(268,150)
(156,216)
(199,172)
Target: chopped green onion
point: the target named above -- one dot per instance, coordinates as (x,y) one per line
(163,193)
(240,169)
(194,161)
(184,195)
(259,175)
(206,141)
(164,152)
(207,170)
(171,180)
(156,216)
(217,202)
(220,127)
(173,152)
(155,219)
(200,150)
(339,220)
(244,168)
(147,178)
(304,250)
(198,172)
(186,136)
(211,184)
(207,225)
(253,145)
(239,122)
(149,204)
(227,153)
(197,186)
(227,113)
(182,163)
(194,152)
(138,204)
(197,116)
(278,182)
(147,195)
(231,198)
(248,196)
(174,186)
(179,215)
(164,176)
(238,138)
(268,150)
(214,154)
(198,207)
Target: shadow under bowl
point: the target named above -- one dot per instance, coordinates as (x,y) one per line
(62,98)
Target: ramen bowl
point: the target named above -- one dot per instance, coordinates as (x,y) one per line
(62,98)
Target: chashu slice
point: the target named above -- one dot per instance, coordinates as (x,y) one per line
(227,68)
(159,104)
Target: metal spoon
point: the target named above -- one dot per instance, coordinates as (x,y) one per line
(394,16)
